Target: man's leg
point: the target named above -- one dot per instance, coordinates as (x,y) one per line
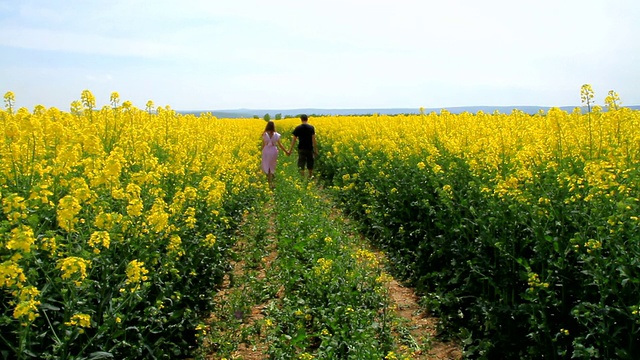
(310,163)
(301,162)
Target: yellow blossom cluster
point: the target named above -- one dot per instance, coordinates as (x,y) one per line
(534,282)
(322,268)
(592,245)
(27,304)
(81,320)
(136,272)
(11,275)
(75,268)
(99,239)
(366,258)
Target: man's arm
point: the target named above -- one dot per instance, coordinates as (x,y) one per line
(315,145)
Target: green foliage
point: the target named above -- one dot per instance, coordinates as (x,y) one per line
(334,304)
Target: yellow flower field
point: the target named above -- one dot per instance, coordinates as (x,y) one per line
(520,231)
(472,207)
(110,213)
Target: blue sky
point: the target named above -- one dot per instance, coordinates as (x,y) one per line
(197,55)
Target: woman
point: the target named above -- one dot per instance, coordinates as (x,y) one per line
(270,144)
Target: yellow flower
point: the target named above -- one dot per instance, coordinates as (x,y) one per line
(73,266)
(41,194)
(113,165)
(190,215)
(209,240)
(384,278)
(158,219)
(68,208)
(21,238)
(135,207)
(15,207)
(214,196)
(323,267)
(49,244)
(391,356)
(175,246)
(534,282)
(80,190)
(27,307)
(107,221)
(118,193)
(190,193)
(11,274)
(136,273)
(101,238)
(448,190)
(592,245)
(133,191)
(81,320)
(365,257)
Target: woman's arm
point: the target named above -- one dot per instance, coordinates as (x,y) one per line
(293,143)
(282,147)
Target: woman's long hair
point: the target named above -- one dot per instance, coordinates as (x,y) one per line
(271,126)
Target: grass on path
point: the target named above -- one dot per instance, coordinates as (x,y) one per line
(305,285)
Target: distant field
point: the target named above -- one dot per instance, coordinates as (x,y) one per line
(249,113)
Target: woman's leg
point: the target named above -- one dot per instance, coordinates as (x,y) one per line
(270,179)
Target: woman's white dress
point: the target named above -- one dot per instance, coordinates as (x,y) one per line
(270,152)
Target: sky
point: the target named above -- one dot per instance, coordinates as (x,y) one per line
(332,54)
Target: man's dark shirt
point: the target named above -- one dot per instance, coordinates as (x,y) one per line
(304,133)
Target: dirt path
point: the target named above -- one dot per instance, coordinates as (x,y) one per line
(418,332)
(239,321)
(256,347)
(416,328)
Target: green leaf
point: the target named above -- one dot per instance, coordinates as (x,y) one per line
(100,355)
(47,306)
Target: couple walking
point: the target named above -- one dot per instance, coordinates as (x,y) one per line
(304,133)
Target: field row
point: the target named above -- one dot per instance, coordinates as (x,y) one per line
(521,231)
(116,227)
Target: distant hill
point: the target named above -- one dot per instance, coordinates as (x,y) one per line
(250,113)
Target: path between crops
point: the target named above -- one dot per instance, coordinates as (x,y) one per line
(239,319)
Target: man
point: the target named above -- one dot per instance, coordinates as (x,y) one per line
(307,147)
